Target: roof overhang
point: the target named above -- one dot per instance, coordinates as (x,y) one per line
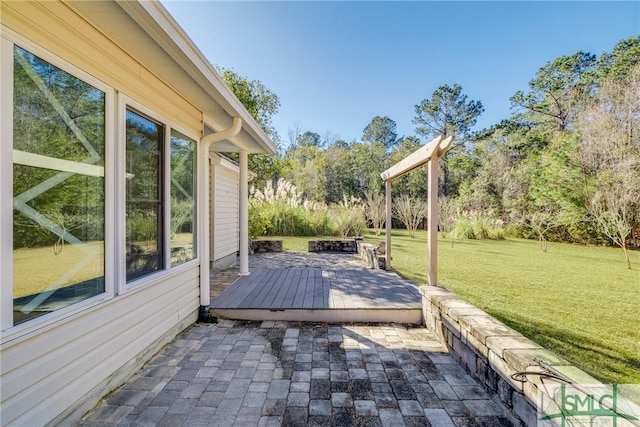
(146,30)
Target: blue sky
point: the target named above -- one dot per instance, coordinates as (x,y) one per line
(336,65)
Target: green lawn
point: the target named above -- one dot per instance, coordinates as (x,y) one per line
(578,301)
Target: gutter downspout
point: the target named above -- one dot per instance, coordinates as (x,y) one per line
(203,211)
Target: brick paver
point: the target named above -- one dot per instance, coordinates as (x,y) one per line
(238,373)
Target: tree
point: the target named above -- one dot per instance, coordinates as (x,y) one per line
(365,163)
(610,123)
(375,209)
(410,211)
(610,153)
(260,102)
(382,130)
(622,59)
(448,112)
(559,185)
(329,138)
(293,134)
(336,172)
(558,89)
(614,210)
(542,222)
(447,216)
(415,182)
(310,138)
(307,163)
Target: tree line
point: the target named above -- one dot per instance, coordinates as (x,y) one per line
(564,166)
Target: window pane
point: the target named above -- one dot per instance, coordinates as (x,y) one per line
(144,196)
(58,188)
(183,205)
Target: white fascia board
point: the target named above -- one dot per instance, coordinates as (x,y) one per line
(160,25)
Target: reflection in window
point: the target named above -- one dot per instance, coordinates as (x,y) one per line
(183,206)
(58,188)
(144,254)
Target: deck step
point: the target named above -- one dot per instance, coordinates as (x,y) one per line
(411,316)
(321,294)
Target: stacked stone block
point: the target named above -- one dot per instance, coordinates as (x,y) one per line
(266,246)
(341,245)
(493,352)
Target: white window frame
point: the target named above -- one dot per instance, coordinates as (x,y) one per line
(196,189)
(196,195)
(122,287)
(9,330)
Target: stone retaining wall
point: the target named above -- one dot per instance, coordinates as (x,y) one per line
(266,245)
(492,352)
(341,245)
(369,255)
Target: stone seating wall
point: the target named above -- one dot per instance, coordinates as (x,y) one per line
(493,352)
(338,245)
(370,255)
(266,246)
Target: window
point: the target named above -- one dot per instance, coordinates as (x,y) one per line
(144,201)
(58,188)
(73,225)
(183,205)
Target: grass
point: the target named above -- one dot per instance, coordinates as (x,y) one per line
(579,301)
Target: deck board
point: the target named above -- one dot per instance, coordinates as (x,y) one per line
(291,292)
(308,293)
(319,288)
(231,297)
(264,287)
(286,278)
(300,288)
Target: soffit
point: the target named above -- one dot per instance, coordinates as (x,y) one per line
(148,33)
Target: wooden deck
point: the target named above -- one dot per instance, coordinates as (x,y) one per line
(355,294)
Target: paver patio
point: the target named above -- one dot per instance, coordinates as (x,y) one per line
(279,373)
(239,373)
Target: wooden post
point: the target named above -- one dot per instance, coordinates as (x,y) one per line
(387,226)
(432,221)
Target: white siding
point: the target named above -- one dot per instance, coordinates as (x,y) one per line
(62,31)
(63,368)
(225,208)
(54,369)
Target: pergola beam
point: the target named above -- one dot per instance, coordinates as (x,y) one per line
(419,157)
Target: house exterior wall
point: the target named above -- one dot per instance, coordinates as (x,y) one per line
(55,368)
(65,33)
(225,216)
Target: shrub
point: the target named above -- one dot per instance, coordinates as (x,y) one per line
(479,227)
(348,217)
(282,210)
(259,221)
(463,229)
(411,211)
